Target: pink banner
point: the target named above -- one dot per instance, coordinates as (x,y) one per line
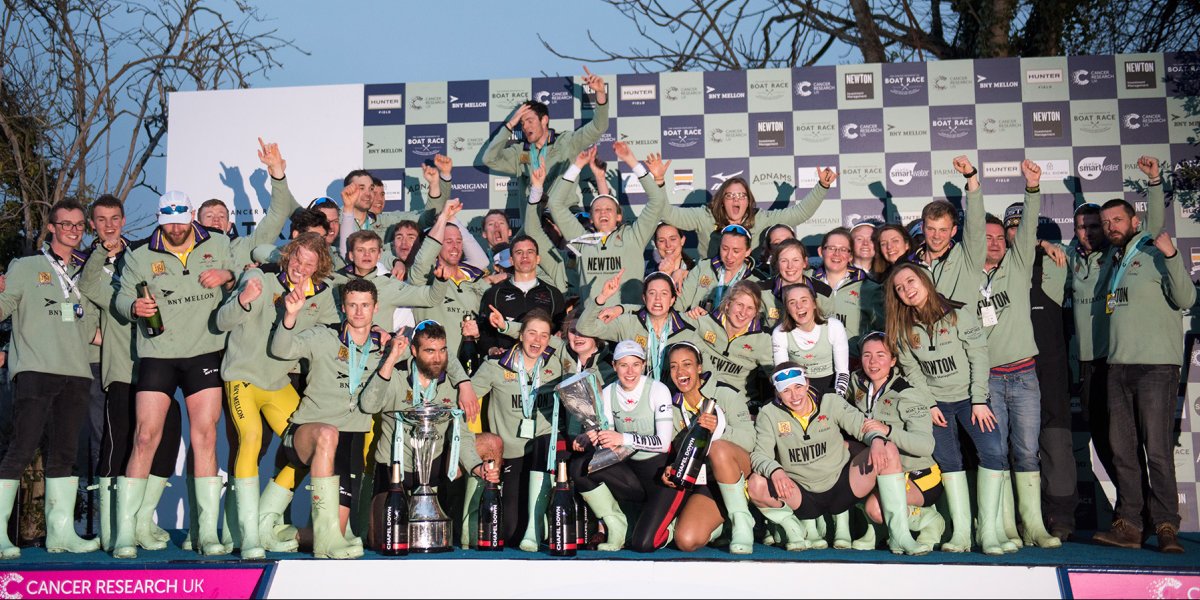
(1133,585)
(131,583)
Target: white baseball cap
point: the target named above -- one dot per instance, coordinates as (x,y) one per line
(174,207)
(628,348)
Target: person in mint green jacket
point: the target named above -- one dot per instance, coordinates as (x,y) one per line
(258,385)
(956,267)
(616,244)
(48,361)
(186,270)
(214,213)
(1148,287)
(733,204)
(943,353)
(542,145)
(804,470)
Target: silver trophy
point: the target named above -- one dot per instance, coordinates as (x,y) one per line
(428,526)
(580,395)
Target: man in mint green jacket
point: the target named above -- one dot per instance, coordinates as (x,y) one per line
(1148,287)
(48,361)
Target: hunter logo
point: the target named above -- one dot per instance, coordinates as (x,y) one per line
(158,268)
(638,93)
(1043,76)
(1047,124)
(43,278)
(860,86)
(1140,75)
(385,101)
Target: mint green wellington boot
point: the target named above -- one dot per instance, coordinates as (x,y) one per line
(793,528)
(328,539)
(208,509)
(605,507)
(893,500)
(539,502)
(742,522)
(958,497)
(274,534)
(1029,499)
(128,493)
(61,493)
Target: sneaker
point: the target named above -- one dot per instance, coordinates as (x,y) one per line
(1168,539)
(1122,534)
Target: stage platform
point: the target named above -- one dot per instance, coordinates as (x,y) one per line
(1079,570)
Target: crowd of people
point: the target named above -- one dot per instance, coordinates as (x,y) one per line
(854,395)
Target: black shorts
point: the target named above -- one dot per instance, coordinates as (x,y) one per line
(929,481)
(832,501)
(347,461)
(192,375)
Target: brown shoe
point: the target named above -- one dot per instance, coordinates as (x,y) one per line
(1122,534)
(1168,539)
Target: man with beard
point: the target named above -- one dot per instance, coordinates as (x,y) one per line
(49,364)
(956,268)
(426,378)
(99,283)
(542,145)
(1147,288)
(183,266)
(517,295)
(1089,274)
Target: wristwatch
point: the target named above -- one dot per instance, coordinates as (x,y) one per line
(973,173)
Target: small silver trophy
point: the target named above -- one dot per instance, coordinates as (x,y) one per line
(428,526)
(580,395)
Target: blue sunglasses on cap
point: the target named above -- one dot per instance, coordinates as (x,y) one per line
(177,209)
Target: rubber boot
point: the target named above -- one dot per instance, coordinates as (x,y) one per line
(1010,540)
(793,529)
(928,522)
(273,534)
(360,509)
(812,533)
(868,540)
(605,507)
(470,513)
(61,493)
(231,537)
(539,501)
(958,497)
(105,490)
(193,513)
(128,493)
(736,506)
(246,490)
(328,539)
(893,501)
(149,535)
(990,486)
(1029,499)
(841,531)
(208,509)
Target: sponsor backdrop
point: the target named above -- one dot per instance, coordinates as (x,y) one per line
(890,130)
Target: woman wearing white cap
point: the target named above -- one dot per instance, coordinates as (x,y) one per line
(635,413)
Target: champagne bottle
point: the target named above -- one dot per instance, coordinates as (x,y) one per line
(585,525)
(563,541)
(491,514)
(469,352)
(395,517)
(693,450)
(152,326)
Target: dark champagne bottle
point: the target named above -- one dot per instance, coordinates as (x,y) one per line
(491,514)
(585,525)
(395,517)
(693,450)
(152,326)
(469,352)
(563,540)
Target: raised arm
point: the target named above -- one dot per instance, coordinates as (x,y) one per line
(1155,203)
(286,343)
(282,202)
(1177,285)
(975,221)
(237,308)
(799,212)
(560,193)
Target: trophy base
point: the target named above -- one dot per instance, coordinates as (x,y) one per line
(427,537)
